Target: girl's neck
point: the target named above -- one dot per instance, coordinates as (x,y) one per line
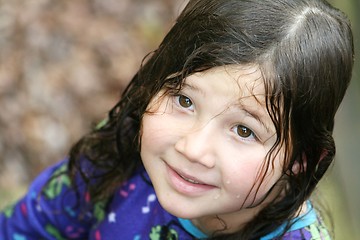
(226,223)
(231,222)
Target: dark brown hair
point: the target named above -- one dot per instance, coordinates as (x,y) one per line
(304,50)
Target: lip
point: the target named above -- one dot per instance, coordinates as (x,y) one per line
(186,184)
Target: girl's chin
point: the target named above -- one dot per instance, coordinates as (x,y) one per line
(181,209)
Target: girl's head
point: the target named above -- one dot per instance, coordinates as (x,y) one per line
(298,52)
(204,145)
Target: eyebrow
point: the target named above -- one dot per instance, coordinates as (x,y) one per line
(193,88)
(256,116)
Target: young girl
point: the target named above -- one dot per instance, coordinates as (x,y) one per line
(223,133)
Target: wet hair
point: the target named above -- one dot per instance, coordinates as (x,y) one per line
(304,50)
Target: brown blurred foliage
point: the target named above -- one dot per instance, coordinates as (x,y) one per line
(63,64)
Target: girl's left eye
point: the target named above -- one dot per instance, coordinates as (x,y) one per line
(244,132)
(184,101)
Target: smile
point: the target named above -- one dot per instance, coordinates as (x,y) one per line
(189,180)
(186,184)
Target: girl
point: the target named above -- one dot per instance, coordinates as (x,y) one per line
(223,133)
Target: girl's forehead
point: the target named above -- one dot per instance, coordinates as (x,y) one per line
(241,81)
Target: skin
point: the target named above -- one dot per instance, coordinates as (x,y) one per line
(204,147)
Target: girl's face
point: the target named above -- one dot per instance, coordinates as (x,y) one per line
(204,146)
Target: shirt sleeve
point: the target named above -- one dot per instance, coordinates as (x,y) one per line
(308,226)
(51,209)
(315,231)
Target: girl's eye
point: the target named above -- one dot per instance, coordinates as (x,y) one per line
(184,101)
(244,132)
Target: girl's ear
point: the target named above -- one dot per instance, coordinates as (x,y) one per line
(297,167)
(300,166)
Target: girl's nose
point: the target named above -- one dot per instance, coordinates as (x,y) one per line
(198,145)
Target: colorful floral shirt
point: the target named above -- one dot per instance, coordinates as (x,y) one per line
(133,213)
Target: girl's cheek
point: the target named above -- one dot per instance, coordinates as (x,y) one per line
(249,181)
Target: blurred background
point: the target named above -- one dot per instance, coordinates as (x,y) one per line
(63,65)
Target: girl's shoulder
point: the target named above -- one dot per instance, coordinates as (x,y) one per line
(308,226)
(314,231)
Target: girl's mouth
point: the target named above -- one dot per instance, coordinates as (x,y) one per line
(186,184)
(189,179)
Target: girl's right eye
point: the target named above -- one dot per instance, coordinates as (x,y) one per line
(184,101)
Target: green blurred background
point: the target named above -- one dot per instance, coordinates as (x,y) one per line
(63,64)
